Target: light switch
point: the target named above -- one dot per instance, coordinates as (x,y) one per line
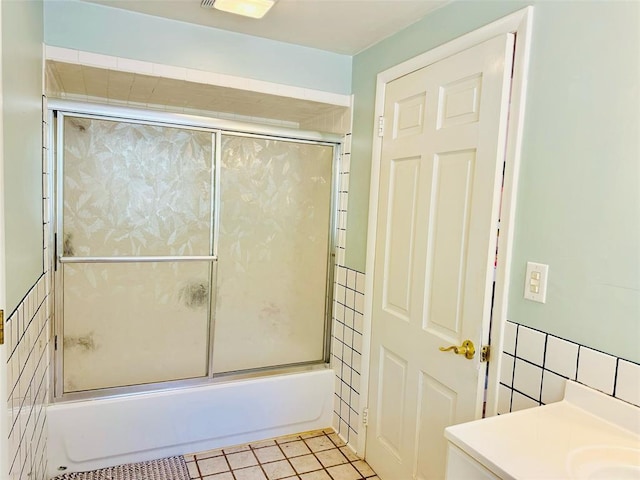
(535,284)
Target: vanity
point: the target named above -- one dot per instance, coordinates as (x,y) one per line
(588,435)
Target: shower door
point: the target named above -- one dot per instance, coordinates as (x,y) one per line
(135,242)
(188,253)
(275,238)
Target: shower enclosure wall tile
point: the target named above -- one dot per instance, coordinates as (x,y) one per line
(346,354)
(27,345)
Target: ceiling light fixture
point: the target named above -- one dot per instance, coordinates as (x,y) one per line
(246,8)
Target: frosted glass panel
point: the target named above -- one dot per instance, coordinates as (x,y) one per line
(134,323)
(272,253)
(132,189)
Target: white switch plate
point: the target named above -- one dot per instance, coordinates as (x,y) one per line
(535,282)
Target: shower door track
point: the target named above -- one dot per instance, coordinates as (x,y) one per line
(217,127)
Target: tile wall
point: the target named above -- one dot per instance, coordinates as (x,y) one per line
(348,299)
(535,366)
(27,341)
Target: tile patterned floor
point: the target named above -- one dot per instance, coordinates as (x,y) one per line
(317,455)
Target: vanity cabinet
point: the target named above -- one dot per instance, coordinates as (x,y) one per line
(462,466)
(587,435)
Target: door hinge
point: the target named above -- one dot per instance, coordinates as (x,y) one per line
(380,126)
(1,327)
(365,417)
(485,353)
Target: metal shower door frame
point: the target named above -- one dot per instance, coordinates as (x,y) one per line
(58,109)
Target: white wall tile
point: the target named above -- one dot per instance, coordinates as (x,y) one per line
(60,54)
(506,369)
(628,382)
(527,378)
(97,60)
(552,387)
(521,402)
(169,71)
(596,370)
(135,66)
(504,399)
(510,330)
(359,304)
(530,345)
(351,279)
(561,357)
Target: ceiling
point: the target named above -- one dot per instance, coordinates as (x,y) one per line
(340,26)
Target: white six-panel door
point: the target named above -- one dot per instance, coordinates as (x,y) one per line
(439,199)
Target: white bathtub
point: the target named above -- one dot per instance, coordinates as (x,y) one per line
(97,433)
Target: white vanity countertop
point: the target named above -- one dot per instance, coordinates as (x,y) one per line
(563,440)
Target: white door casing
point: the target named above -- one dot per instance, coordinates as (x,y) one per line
(518,23)
(4,414)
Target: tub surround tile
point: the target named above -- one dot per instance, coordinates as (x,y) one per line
(28,354)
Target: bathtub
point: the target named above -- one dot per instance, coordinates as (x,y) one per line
(87,435)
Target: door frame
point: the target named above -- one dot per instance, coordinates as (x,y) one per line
(519,23)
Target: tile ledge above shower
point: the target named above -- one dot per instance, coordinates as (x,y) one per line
(89,77)
(109,62)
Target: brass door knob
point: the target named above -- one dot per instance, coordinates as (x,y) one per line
(467,349)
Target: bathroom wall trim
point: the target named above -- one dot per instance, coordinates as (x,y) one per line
(518,23)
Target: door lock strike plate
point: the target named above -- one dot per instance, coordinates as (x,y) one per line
(485,353)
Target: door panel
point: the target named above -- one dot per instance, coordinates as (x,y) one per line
(446,250)
(459,102)
(439,191)
(400,236)
(393,376)
(437,405)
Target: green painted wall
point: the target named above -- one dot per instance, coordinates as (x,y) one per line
(22,27)
(111,31)
(579,187)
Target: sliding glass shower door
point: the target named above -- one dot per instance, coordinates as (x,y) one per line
(275,219)
(187,252)
(135,218)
